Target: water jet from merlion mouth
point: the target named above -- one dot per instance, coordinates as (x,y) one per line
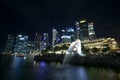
(74,50)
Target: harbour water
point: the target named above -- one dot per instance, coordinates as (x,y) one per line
(20,68)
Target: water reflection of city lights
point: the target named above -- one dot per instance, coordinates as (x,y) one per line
(42,64)
(25,57)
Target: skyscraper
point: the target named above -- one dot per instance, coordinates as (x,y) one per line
(46,37)
(21,44)
(45,42)
(70,32)
(84,30)
(77,30)
(63,32)
(37,41)
(91,31)
(9,44)
(54,37)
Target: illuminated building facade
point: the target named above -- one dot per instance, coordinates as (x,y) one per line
(9,44)
(78,31)
(30,46)
(68,36)
(37,42)
(101,43)
(63,32)
(84,30)
(65,39)
(91,31)
(45,42)
(54,36)
(46,37)
(21,44)
(71,33)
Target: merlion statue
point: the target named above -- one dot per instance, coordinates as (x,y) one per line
(73,52)
(75,48)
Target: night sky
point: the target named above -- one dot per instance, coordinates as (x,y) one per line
(31,16)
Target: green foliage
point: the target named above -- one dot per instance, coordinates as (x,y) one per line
(104,50)
(49,48)
(85,50)
(64,47)
(43,51)
(55,48)
(95,50)
(119,45)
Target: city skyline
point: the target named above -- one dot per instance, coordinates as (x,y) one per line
(83,30)
(30,17)
(83,35)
